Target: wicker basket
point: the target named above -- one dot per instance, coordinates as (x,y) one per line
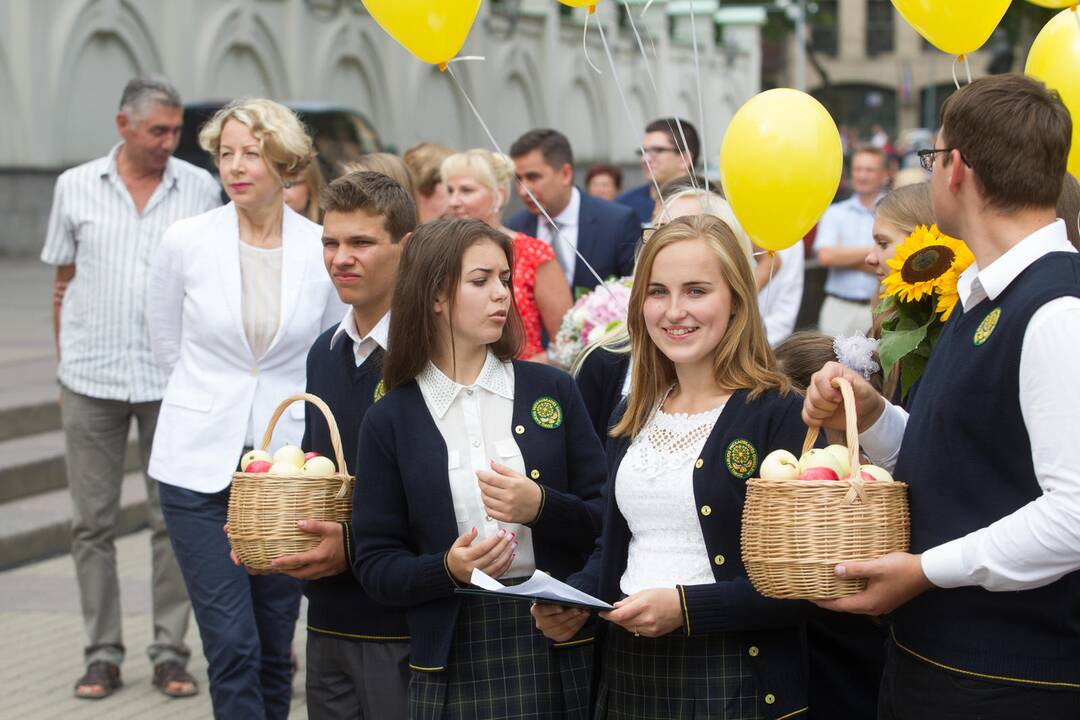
(794,532)
(264,508)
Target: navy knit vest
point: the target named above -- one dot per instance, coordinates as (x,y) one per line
(966,455)
(338,605)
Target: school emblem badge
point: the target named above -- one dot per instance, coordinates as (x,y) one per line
(547,413)
(380,391)
(986,327)
(741,458)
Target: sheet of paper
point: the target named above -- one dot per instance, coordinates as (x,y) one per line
(540,585)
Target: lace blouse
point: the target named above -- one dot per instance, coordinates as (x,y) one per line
(654,489)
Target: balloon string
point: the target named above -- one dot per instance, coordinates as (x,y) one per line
(967,67)
(689,168)
(585,40)
(536,202)
(644,9)
(630,118)
(700,96)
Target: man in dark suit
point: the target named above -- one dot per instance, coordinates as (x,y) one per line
(604,233)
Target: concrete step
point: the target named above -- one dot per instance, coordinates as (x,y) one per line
(35,464)
(29,398)
(39,527)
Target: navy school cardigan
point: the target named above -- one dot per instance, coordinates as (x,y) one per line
(403,510)
(338,605)
(770,631)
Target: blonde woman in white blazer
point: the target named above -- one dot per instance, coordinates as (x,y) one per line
(237,296)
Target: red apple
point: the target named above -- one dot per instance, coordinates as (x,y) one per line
(873,472)
(311,454)
(258,466)
(819,473)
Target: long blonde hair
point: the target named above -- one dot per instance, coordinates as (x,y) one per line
(742,360)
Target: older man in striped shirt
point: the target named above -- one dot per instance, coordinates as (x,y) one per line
(108,216)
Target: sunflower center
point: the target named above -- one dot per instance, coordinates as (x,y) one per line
(927,263)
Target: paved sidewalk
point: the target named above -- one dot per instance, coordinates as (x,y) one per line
(41,627)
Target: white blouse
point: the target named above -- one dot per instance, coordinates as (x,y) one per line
(476,423)
(654,489)
(260,295)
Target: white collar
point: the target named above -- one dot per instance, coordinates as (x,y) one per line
(441,391)
(110,168)
(379,334)
(974,284)
(569,216)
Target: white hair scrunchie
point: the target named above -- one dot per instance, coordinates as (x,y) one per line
(856,352)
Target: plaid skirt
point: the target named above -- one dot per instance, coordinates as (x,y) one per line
(675,677)
(502,667)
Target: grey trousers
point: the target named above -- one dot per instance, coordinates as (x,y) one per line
(95,433)
(356,680)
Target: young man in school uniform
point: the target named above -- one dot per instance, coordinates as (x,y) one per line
(987,604)
(357,649)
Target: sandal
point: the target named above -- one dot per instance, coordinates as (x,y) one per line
(101,680)
(170,674)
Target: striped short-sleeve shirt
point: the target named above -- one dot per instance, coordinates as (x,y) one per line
(94,225)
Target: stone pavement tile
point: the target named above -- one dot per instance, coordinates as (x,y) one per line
(42,637)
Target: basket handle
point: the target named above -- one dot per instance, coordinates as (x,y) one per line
(331,423)
(852,430)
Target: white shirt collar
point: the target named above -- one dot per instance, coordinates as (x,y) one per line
(441,391)
(974,284)
(379,335)
(111,170)
(569,216)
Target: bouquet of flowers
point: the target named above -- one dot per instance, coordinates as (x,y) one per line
(918,296)
(592,316)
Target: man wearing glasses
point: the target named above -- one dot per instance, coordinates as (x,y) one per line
(844,236)
(985,609)
(670,157)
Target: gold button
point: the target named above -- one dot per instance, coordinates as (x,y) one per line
(520,429)
(699,463)
(254,371)
(753,651)
(770,699)
(535,474)
(706,510)
(719,560)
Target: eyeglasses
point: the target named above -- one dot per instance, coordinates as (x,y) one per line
(927,157)
(656,150)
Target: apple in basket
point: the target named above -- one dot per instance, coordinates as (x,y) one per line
(258,466)
(319,466)
(254,455)
(780,465)
(284,468)
(873,472)
(310,454)
(843,456)
(819,464)
(290,454)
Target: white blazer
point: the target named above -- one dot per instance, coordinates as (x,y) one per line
(196,333)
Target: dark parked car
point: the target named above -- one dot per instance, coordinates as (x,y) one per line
(341,135)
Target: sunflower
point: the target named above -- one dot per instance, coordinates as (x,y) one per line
(927,262)
(947,295)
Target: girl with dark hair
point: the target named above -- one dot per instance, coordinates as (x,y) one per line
(474,461)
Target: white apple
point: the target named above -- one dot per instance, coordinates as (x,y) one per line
(321,466)
(289,454)
(877,473)
(780,465)
(843,455)
(818,457)
(254,455)
(284,468)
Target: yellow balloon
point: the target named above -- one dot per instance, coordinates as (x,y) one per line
(580,3)
(1054,4)
(1054,58)
(432,30)
(957,27)
(780,165)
